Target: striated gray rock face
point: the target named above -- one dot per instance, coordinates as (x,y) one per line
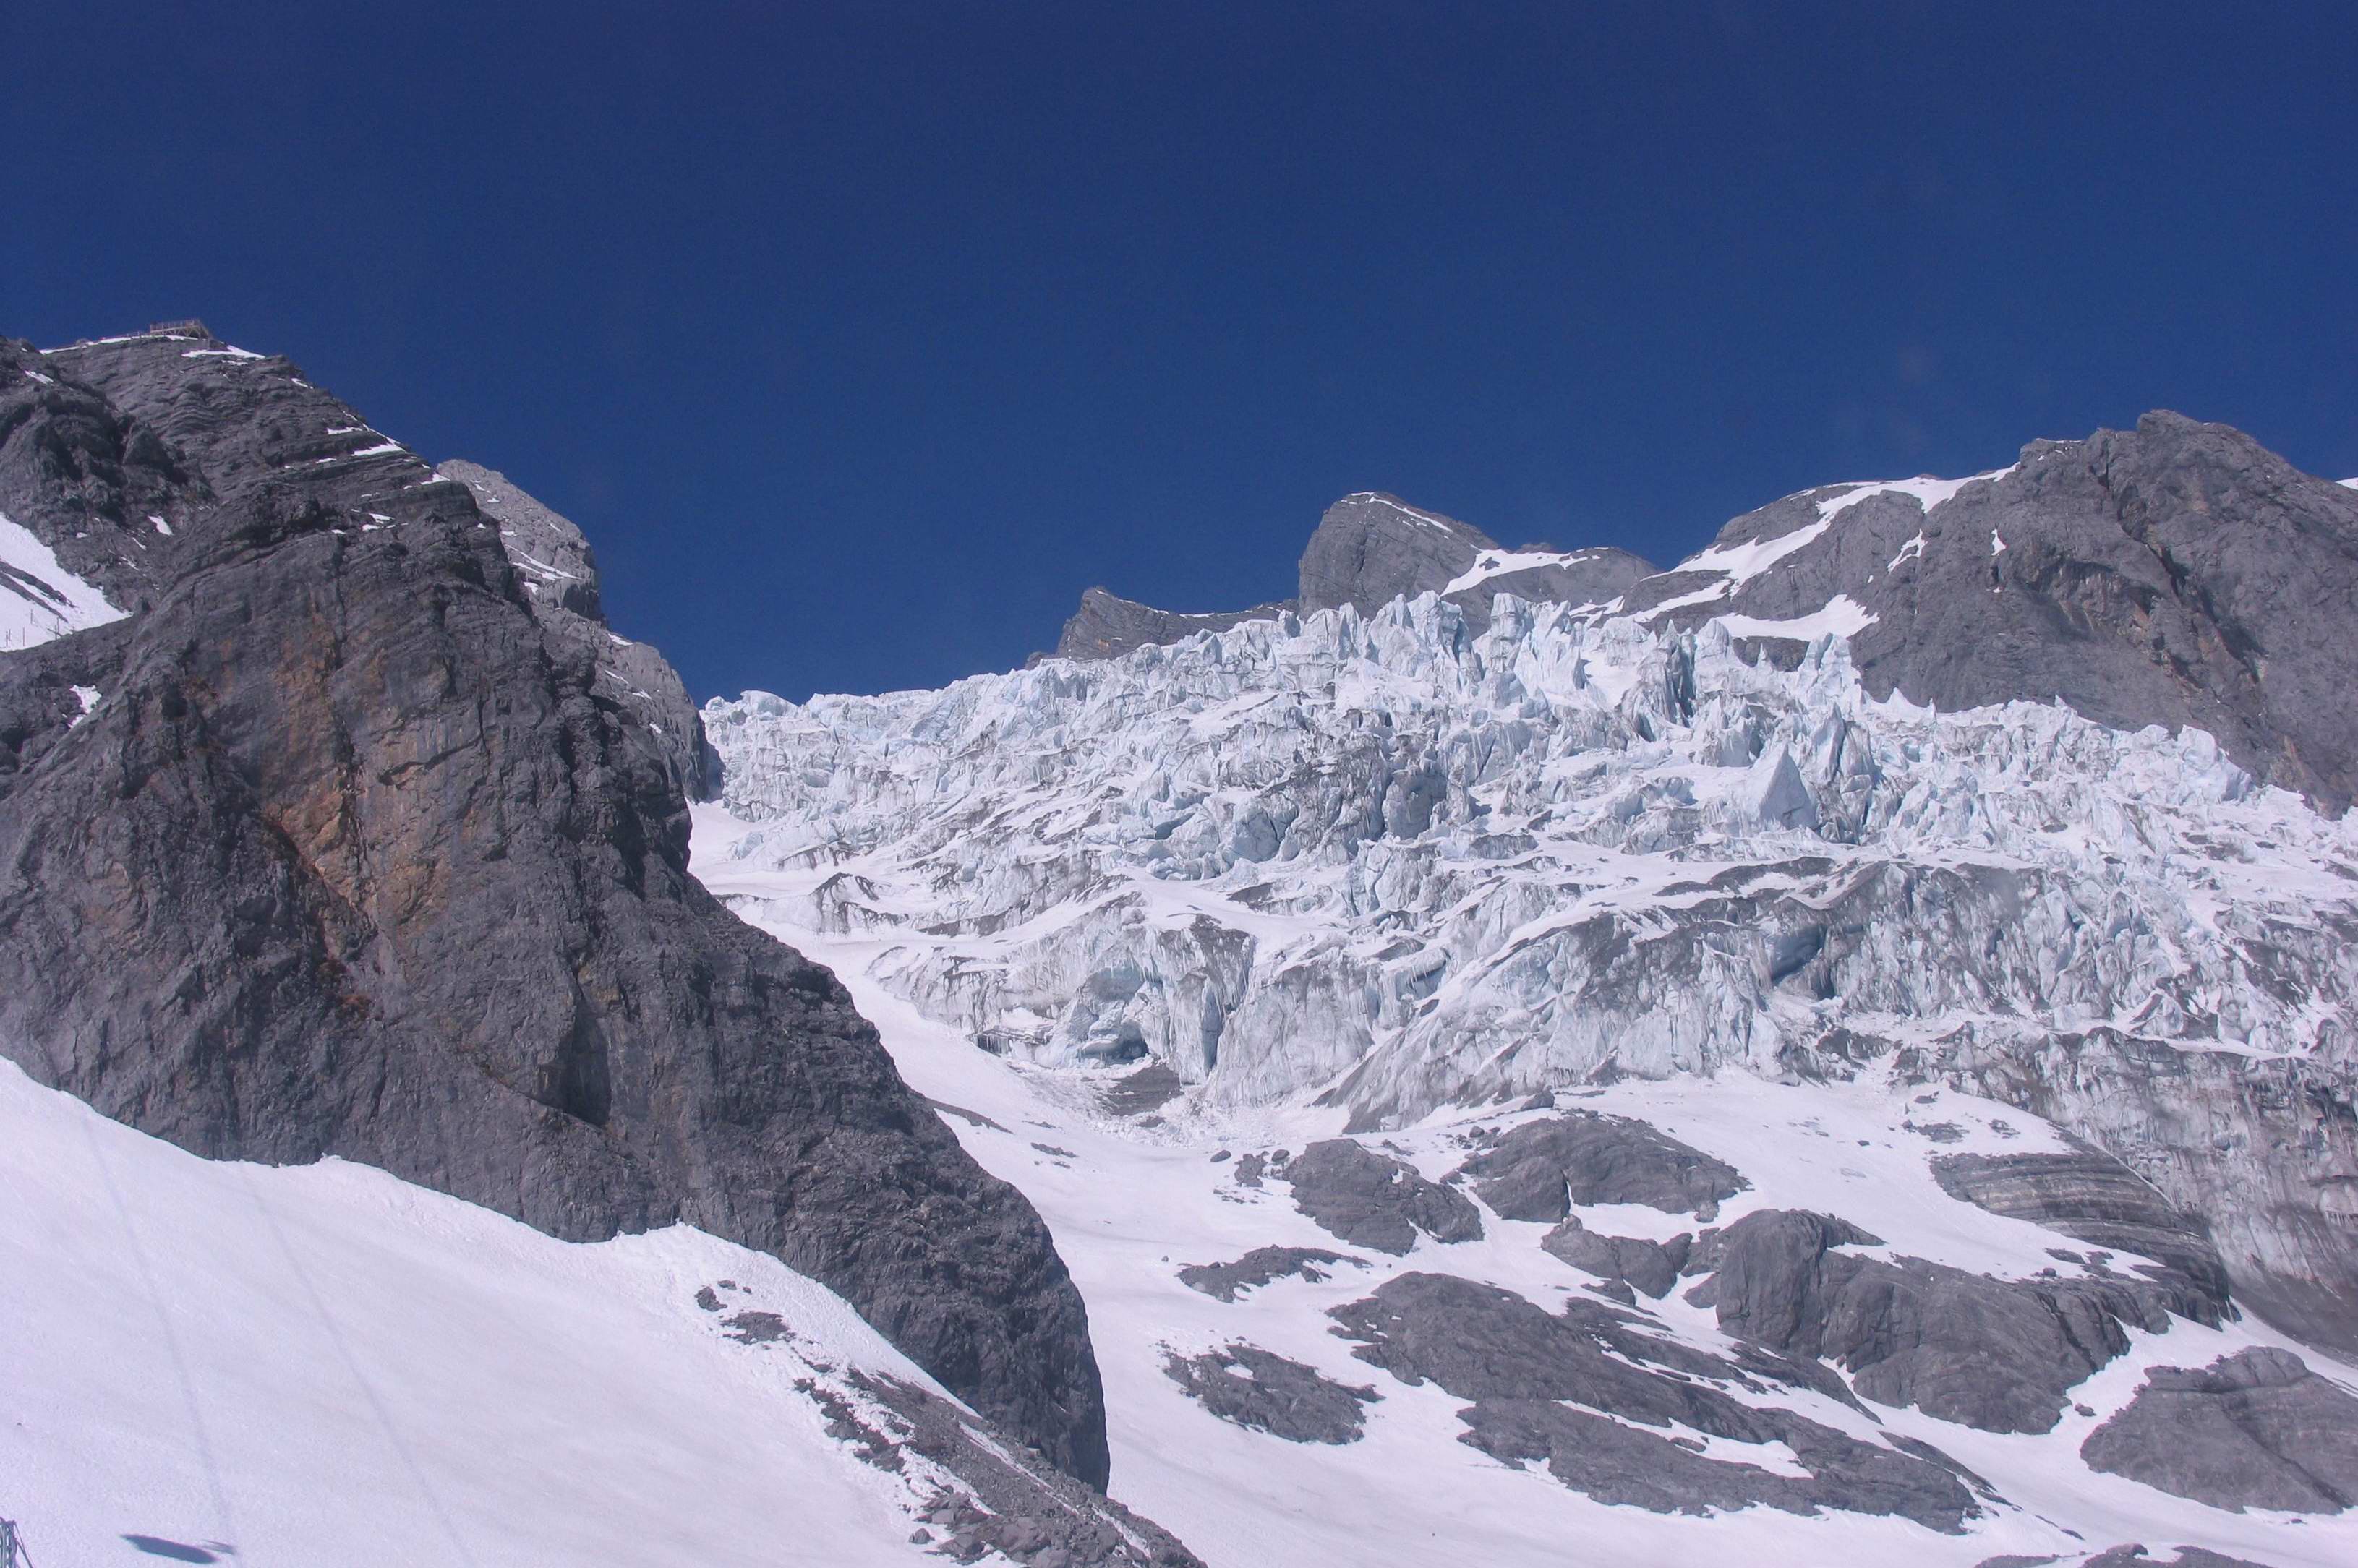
(349,852)
(2265,1149)
(1550,1387)
(1372,548)
(558,574)
(1999,1355)
(2175,574)
(1367,550)
(1370,1201)
(2092,1197)
(2257,1429)
(1106,626)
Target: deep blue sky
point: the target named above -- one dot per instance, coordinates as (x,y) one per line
(861,338)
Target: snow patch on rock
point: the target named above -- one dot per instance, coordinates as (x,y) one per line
(40,599)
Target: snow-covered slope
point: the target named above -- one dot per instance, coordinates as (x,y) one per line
(325,1365)
(207,1361)
(211,1361)
(1138,1188)
(40,599)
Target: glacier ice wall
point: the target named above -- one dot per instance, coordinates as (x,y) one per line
(1393,862)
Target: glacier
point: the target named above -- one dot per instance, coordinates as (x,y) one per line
(1394,863)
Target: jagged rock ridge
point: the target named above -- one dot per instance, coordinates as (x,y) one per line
(2177,574)
(559,573)
(1367,550)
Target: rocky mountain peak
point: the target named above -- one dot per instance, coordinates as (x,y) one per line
(558,573)
(1368,549)
(2175,574)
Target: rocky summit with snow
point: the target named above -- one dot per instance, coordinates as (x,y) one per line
(1843,1049)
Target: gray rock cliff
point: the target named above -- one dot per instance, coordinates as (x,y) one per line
(558,573)
(2257,1429)
(1371,548)
(355,850)
(1108,626)
(2177,574)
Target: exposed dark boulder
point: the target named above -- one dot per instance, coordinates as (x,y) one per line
(1524,1368)
(1999,1355)
(1226,1282)
(2257,1429)
(1253,1388)
(1143,1092)
(2127,1557)
(1370,1201)
(1650,1268)
(1540,1170)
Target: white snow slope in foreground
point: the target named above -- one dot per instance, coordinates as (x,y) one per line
(322,1365)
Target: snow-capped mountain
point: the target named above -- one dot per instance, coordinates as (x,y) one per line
(1838,1050)
(1706,851)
